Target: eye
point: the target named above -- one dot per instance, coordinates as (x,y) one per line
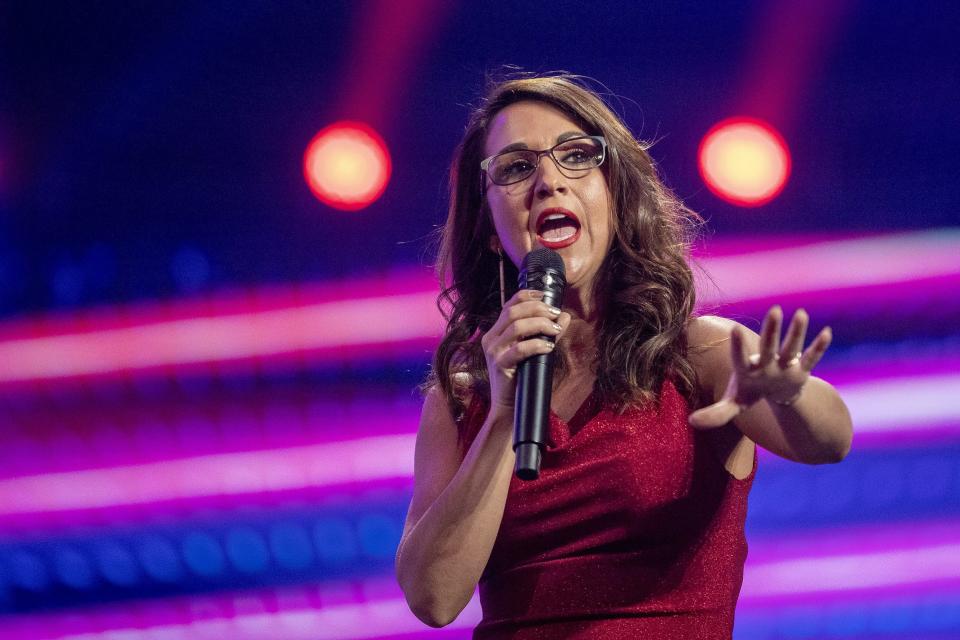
(578,153)
(512,166)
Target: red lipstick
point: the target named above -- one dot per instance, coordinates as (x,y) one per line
(558,213)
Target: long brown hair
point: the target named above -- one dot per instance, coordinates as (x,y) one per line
(645,283)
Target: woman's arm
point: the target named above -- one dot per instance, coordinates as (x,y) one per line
(457,506)
(749,373)
(455,512)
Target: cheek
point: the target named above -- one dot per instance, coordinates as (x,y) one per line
(598,201)
(505,212)
(505,224)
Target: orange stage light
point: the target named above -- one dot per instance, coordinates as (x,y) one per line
(744,161)
(347,165)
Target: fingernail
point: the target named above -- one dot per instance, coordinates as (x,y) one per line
(553,311)
(535,294)
(557,327)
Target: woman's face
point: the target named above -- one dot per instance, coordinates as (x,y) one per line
(570,215)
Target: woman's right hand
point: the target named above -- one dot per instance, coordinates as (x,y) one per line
(513,338)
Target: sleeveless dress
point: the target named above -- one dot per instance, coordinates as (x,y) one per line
(634,529)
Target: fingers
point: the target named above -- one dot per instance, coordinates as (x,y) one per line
(715,415)
(526,326)
(520,351)
(817,348)
(791,352)
(523,304)
(529,327)
(738,352)
(770,335)
(793,341)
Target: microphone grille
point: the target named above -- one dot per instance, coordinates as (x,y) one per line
(539,260)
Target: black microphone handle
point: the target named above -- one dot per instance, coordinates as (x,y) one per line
(532,408)
(532,413)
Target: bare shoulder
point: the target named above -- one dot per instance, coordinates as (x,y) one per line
(437,424)
(436,457)
(708,344)
(708,332)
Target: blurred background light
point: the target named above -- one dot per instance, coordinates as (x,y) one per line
(159,559)
(247,550)
(744,161)
(117,565)
(203,554)
(73,568)
(347,165)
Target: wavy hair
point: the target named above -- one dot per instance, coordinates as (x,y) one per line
(644,286)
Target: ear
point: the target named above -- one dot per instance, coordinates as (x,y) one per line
(495,244)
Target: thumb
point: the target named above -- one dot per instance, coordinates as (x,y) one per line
(715,415)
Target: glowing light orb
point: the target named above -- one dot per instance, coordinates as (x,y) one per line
(347,165)
(744,161)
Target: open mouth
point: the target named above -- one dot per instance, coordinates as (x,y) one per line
(557,228)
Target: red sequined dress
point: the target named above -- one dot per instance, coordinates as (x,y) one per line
(634,529)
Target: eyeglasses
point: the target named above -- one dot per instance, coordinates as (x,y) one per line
(578,155)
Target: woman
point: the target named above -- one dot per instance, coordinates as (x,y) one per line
(635,526)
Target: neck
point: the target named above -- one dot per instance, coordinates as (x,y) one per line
(579,303)
(580,340)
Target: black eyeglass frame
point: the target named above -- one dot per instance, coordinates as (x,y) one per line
(603,157)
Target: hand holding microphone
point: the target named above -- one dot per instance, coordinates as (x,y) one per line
(528,325)
(542,270)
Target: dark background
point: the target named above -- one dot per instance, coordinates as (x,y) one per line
(151,150)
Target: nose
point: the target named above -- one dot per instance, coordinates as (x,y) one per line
(549,178)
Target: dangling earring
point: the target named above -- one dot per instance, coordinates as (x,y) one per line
(503,299)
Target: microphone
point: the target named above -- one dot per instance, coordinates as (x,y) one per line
(542,269)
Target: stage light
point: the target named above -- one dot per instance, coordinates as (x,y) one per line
(159,559)
(347,165)
(203,554)
(379,535)
(117,565)
(247,550)
(291,546)
(73,568)
(27,571)
(744,161)
(335,541)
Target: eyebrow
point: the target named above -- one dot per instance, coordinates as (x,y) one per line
(566,135)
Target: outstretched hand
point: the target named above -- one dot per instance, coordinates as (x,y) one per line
(776,373)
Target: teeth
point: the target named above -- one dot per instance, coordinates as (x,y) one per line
(555,216)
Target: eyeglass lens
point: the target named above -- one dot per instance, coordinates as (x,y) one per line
(578,154)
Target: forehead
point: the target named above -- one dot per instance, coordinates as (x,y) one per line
(535,124)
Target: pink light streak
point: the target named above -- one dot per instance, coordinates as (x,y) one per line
(389,41)
(904,403)
(791,43)
(340,325)
(882,408)
(856,571)
(252,472)
(357,322)
(846,562)
(831,265)
(379,618)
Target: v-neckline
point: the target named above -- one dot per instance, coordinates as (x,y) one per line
(576,415)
